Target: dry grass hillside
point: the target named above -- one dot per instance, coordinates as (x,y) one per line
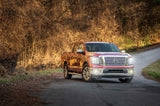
(34,33)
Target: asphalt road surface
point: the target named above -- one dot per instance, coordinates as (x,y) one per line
(107,92)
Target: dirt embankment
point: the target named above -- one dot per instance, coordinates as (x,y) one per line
(22,93)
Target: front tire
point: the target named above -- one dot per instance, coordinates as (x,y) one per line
(86,75)
(66,72)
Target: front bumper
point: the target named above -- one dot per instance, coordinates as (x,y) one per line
(111,72)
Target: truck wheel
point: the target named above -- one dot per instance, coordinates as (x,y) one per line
(86,74)
(65,71)
(125,80)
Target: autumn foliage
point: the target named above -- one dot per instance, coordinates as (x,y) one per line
(34,33)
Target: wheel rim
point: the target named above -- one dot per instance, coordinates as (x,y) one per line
(65,71)
(86,73)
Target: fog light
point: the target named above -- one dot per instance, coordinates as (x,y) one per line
(131,71)
(97,71)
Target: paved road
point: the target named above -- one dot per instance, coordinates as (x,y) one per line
(108,92)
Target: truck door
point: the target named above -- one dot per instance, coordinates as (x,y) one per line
(80,57)
(76,58)
(73,59)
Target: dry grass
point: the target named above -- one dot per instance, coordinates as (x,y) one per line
(34,33)
(152,71)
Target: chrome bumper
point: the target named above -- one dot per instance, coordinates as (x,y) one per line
(111,72)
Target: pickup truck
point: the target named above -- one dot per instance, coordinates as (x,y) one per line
(96,60)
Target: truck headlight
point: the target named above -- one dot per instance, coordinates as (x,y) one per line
(130,61)
(95,60)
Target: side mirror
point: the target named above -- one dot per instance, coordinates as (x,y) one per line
(123,51)
(80,51)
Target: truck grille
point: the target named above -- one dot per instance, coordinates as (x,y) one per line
(115,61)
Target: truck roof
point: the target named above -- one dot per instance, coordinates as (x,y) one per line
(92,42)
(96,42)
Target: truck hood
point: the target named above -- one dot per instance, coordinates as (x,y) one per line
(107,53)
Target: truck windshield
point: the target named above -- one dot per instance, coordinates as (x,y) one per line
(101,47)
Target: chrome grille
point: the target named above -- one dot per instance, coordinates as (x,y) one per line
(115,61)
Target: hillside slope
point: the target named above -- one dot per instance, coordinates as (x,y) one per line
(34,33)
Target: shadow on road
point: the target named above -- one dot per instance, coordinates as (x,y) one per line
(97,81)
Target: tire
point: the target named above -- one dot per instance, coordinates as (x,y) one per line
(86,74)
(65,72)
(125,80)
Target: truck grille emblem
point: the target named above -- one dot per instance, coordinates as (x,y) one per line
(115,61)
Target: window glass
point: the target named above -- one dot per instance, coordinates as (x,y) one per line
(81,46)
(75,48)
(101,47)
